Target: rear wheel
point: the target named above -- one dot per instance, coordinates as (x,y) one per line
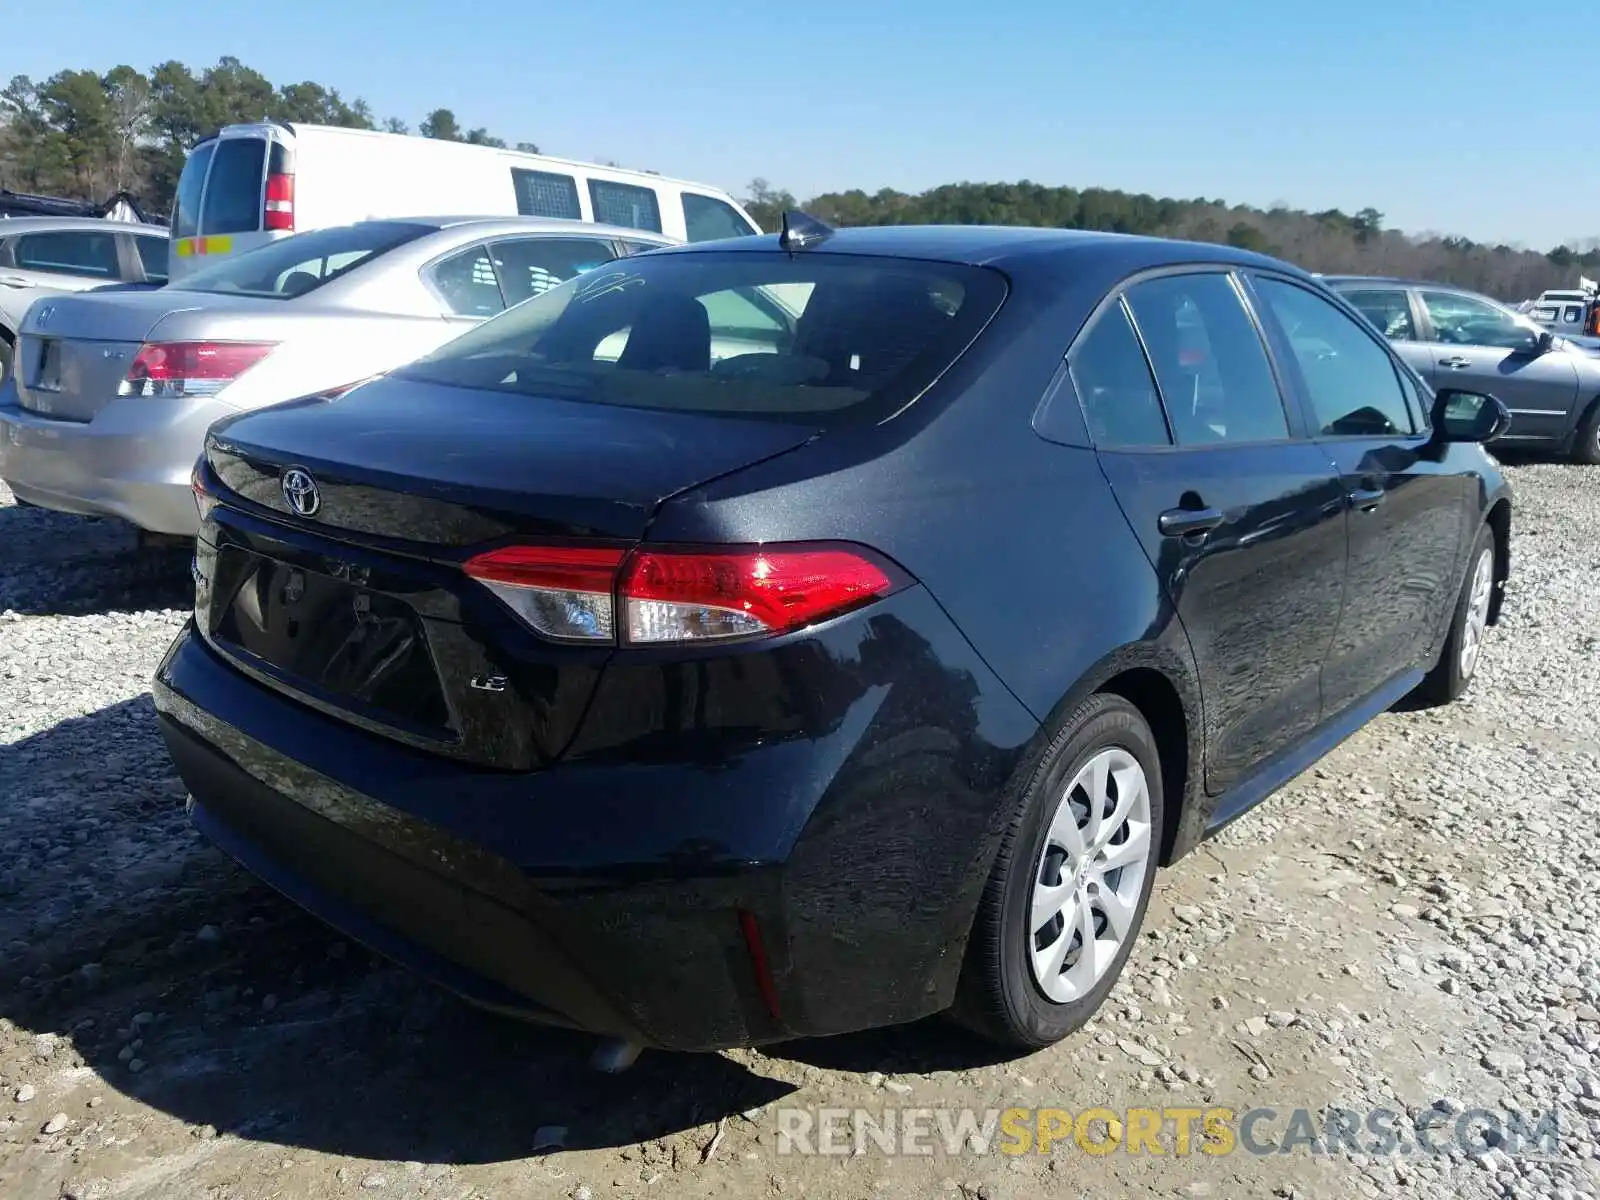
(1463,645)
(1586,443)
(1069,887)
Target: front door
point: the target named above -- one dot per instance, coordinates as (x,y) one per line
(1242,519)
(1409,508)
(1478,347)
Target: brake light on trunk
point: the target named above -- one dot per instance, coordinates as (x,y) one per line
(190,368)
(651,597)
(278,207)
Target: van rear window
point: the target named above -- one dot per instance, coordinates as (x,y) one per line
(753,334)
(186,205)
(233,190)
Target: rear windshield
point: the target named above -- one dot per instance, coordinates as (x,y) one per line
(756,334)
(233,189)
(296,265)
(186,205)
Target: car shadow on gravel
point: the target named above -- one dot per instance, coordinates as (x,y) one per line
(131,946)
(57,564)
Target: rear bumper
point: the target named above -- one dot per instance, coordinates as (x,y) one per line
(618,897)
(131,461)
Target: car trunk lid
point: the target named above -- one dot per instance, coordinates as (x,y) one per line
(74,351)
(361,607)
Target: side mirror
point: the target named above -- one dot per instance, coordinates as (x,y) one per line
(1468,417)
(1540,342)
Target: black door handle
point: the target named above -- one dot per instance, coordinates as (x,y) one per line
(1186,522)
(1366,499)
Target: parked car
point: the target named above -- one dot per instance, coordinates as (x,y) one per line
(115,392)
(47,256)
(1459,339)
(253,184)
(863,674)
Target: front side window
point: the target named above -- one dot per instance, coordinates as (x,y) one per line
(467,284)
(1120,403)
(761,335)
(296,265)
(153,253)
(76,252)
(625,204)
(546,194)
(1468,321)
(233,191)
(1389,310)
(706,219)
(1215,379)
(1354,388)
(530,267)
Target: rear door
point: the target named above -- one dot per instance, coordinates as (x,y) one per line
(1481,347)
(1242,517)
(1410,509)
(1393,312)
(223,210)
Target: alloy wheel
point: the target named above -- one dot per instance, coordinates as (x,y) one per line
(1090,875)
(1476,621)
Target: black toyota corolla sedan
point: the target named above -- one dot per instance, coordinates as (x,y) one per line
(787,636)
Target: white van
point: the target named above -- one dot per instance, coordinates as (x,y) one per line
(253,183)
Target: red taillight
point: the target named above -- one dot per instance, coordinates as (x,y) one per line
(190,368)
(573,593)
(564,592)
(278,211)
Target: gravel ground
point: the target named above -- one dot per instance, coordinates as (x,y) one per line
(1410,926)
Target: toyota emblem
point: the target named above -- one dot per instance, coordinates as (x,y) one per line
(300,492)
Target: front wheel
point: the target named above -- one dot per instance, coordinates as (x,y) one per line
(1463,645)
(1069,887)
(1586,442)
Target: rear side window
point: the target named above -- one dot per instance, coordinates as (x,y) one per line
(86,253)
(153,253)
(466,283)
(1389,312)
(706,218)
(626,205)
(1114,385)
(296,265)
(546,194)
(186,205)
(1209,361)
(529,267)
(233,190)
(1351,380)
(762,335)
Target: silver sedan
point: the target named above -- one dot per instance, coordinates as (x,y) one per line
(113,392)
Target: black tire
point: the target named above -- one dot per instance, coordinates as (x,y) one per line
(1449,677)
(997,996)
(1586,443)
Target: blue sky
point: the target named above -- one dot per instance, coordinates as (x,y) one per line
(1468,118)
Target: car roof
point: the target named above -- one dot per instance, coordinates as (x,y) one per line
(1392,281)
(11,226)
(558,226)
(1005,246)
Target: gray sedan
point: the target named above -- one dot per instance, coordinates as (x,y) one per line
(43,256)
(1459,339)
(113,392)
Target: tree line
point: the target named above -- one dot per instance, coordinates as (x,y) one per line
(86,135)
